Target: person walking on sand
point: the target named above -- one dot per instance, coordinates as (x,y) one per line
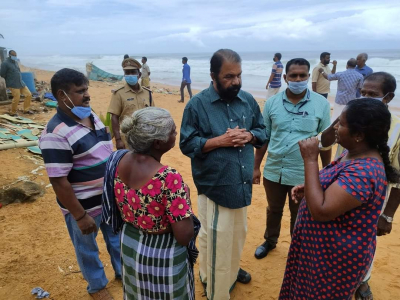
(274,81)
(186,81)
(320,84)
(75,147)
(11,72)
(220,128)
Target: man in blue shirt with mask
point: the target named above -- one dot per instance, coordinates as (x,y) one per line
(12,74)
(186,81)
(290,116)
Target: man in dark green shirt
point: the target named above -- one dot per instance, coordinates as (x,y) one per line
(220,127)
(12,74)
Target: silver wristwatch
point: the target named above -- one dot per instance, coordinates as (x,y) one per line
(388,219)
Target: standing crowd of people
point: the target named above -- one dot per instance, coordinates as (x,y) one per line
(144,208)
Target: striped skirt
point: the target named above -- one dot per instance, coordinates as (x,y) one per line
(154,266)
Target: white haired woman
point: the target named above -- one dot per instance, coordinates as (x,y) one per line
(151,203)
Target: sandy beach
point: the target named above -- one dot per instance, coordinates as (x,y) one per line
(36,250)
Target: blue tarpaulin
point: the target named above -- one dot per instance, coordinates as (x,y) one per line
(97,74)
(49,96)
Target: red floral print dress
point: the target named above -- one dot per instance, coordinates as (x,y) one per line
(162,201)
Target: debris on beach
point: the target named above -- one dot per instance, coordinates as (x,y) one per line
(166,91)
(41,293)
(21,191)
(97,74)
(19,132)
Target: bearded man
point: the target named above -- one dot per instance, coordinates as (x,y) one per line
(220,127)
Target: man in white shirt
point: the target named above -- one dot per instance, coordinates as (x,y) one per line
(145,73)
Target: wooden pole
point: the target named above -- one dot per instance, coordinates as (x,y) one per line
(18,145)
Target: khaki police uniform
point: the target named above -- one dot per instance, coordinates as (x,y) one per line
(125,101)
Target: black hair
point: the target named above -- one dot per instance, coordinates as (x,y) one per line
(297,61)
(145,58)
(372,118)
(185,59)
(126,56)
(388,81)
(278,56)
(9,52)
(220,56)
(352,63)
(65,78)
(323,54)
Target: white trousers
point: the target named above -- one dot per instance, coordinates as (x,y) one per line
(272,92)
(221,240)
(337,110)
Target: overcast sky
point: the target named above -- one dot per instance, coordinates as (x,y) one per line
(157,26)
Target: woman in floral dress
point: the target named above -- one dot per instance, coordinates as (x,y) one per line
(152,202)
(333,242)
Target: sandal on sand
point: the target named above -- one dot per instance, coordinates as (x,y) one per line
(364,295)
(102,295)
(28,112)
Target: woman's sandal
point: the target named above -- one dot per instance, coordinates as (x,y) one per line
(363,295)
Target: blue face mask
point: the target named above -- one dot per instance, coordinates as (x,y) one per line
(14,58)
(131,79)
(297,87)
(82,112)
(376,98)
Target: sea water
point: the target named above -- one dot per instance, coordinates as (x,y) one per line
(256,66)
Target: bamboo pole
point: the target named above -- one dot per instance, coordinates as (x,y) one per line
(18,145)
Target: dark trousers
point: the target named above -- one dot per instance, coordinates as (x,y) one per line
(325,95)
(276,198)
(183,84)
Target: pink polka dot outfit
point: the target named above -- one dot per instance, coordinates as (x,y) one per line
(328,260)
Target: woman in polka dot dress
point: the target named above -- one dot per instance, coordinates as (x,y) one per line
(333,242)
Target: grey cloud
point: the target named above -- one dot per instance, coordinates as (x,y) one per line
(100,26)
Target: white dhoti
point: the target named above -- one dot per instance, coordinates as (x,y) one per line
(221,240)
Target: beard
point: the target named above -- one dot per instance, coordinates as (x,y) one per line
(227,93)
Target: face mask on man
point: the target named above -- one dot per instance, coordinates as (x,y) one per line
(297,87)
(14,58)
(82,112)
(376,98)
(131,79)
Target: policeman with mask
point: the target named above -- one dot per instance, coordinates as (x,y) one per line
(128,98)
(295,114)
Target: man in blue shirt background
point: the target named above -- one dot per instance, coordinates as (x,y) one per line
(274,81)
(362,68)
(185,79)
